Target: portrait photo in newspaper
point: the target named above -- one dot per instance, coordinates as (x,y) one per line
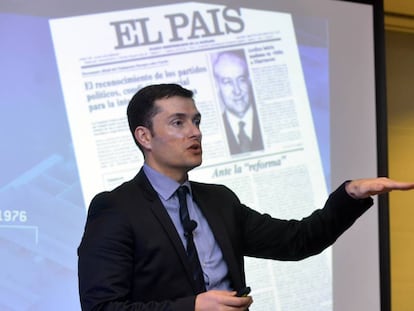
(236,97)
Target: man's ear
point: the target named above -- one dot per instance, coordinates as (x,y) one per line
(143,136)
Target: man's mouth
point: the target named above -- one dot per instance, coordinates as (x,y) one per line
(195,147)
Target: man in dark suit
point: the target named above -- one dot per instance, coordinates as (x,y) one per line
(239,116)
(133,252)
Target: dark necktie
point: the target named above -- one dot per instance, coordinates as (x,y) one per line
(189,225)
(244,140)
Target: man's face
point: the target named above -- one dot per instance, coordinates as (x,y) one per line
(175,143)
(233,82)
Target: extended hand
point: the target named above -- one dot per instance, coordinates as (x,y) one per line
(218,300)
(363,188)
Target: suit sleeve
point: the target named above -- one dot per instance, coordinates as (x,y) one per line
(267,237)
(106,263)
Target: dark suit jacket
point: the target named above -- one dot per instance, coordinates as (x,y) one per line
(256,141)
(131,257)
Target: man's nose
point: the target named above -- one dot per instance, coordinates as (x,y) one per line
(194,130)
(236,88)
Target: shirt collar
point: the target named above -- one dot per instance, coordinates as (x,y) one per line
(247,119)
(163,185)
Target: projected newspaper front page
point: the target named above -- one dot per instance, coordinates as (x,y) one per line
(103,59)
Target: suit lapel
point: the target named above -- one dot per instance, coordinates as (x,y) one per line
(162,216)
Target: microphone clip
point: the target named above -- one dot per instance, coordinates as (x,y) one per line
(189,228)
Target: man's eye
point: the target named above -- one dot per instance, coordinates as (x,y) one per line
(177,122)
(243,79)
(225,81)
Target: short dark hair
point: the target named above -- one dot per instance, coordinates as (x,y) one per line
(141,108)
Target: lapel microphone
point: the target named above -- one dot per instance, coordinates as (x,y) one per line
(189,227)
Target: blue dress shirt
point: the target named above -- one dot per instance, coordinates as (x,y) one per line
(211,258)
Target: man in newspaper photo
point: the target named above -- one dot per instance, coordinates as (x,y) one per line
(163,242)
(240,115)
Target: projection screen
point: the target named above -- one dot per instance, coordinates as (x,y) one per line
(69,70)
